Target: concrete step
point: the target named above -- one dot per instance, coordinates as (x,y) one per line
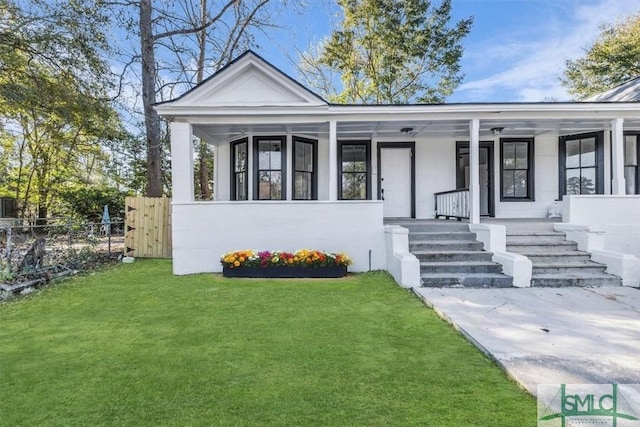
(541,247)
(538,257)
(568,268)
(470,280)
(445,245)
(447,256)
(461,267)
(433,226)
(574,279)
(438,235)
(544,237)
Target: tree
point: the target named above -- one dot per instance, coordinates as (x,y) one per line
(613,59)
(395,51)
(54,106)
(225,24)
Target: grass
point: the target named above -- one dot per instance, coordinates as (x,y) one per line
(134,345)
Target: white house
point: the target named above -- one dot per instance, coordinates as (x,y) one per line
(293,170)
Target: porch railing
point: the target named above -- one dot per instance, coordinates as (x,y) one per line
(453,204)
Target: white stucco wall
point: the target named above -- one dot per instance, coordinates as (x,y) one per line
(203,231)
(618,215)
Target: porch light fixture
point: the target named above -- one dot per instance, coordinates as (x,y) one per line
(496,131)
(406,131)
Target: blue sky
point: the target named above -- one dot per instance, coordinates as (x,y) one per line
(515,52)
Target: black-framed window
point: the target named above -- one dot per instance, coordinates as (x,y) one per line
(354,170)
(517,169)
(269,161)
(631,169)
(239,169)
(305,164)
(581,164)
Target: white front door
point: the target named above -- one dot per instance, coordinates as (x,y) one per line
(395,181)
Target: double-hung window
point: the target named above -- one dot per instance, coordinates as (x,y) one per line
(631,155)
(516,169)
(239,167)
(581,158)
(354,164)
(269,161)
(305,163)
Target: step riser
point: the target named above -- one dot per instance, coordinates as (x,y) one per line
(467,282)
(465,236)
(440,228)
(562,282)
(445,257)
(435,246)
(568,270)
(546,249)
(557,258)
(533,240)
(489,268)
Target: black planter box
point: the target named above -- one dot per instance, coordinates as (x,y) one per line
(286,272)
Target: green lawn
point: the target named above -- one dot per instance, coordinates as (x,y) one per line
(136,346)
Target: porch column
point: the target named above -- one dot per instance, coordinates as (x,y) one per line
(181,162)
(474,171)
(617,156)
(333,160)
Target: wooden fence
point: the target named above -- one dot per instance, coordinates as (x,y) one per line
(147,225)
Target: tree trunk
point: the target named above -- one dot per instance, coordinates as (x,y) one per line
(151,118)
(203,152)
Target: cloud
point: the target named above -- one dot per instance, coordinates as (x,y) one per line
(526,66)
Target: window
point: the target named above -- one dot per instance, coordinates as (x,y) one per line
(239,161)
(354,164)
(581,159)
(631,171)
(516,169)
(270,166)
(304,169)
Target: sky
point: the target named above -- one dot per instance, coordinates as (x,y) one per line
(516,50)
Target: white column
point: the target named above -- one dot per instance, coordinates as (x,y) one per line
(333,160)
(474,171)
(617,156)
(216,163)
(181,162)
(290,175)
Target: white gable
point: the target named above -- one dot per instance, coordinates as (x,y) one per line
(251,82)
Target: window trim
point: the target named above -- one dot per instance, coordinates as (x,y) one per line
(256,164)
(367,144)
(530,170)
(562,158)
(314,165)
(232,195)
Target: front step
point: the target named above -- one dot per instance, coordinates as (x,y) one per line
(574,279)
(444,245)
(448,256)
(557,262)
(439,235)
(468,280)
(460,267)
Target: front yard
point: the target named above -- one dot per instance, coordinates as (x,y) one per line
(134,345)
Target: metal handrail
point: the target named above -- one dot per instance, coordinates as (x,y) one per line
(453,204)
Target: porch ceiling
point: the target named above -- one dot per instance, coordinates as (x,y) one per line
(219,133)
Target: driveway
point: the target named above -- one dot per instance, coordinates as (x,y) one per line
(549,335)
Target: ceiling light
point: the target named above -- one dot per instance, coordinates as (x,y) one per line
(497,130)
(406,131)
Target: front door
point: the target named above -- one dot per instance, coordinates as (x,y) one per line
(486,173)
(395,179)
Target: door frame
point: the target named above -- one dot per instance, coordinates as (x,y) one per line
(410,145)
(460,175)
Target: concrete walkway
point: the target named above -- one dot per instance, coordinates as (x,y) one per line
(550,335)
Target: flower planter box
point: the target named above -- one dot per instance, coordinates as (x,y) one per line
(286,272)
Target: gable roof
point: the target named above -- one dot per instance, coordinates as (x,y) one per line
(249,80)
(626,92)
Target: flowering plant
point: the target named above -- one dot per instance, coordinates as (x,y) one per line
(300,258)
